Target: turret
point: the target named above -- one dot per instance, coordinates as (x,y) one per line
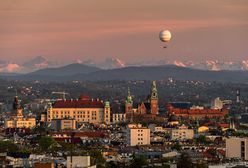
(107,112)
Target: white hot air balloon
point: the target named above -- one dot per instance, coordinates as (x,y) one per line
(165,36)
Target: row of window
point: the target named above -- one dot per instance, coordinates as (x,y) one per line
(75,112)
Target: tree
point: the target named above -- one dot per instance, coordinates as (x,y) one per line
(184,161)
(97,158)
(201,139)
(47,143)
(176,146)
(8,146)
(111,164)
(138,161)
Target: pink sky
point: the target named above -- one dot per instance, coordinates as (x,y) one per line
(91,29)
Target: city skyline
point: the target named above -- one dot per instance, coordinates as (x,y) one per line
(92,30)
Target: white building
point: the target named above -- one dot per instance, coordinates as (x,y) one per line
(182,133)
(237,148)
(155,128)
(137,135)
(79,161)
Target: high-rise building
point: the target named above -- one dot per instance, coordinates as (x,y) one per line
(137,135)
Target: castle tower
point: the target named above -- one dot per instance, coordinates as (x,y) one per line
(17,107)
(128,103)
(107,112)
(154,98)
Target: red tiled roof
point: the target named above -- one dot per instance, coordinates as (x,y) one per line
(81,103)
(91,134)
(224,125)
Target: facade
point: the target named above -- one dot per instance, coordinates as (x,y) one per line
(79,161)
(137,135)
(119,118)
(187,110)
(17,120)
(82,110)
(182,133)
(20,123)
(237,148)
(63,124)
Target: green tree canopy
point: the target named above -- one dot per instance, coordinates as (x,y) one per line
(8,146)
(47,143)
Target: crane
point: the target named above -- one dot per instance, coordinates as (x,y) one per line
(61,93)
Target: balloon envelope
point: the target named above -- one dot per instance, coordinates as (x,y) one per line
(165,35)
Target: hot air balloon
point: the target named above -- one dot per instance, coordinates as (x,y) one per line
(165,36)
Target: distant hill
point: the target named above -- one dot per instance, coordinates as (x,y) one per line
(67,70)
(167,71)
(82,72)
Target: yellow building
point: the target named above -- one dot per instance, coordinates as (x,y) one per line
(119,118)
(82,110)
(18,120)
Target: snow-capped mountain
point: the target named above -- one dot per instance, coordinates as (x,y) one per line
(8,67)
(37,63)
(112,63)
(214,65)
(40,62)
(34,64)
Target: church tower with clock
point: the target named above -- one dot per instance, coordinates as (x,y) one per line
(154,98)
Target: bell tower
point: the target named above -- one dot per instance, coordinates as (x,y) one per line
(128,103)
(154,98)
(17,107)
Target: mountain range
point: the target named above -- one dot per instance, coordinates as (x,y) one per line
(39,62)
(80,72)
(41,69)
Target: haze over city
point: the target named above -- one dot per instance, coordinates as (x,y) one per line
(66,31)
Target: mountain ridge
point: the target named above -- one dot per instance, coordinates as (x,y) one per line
(162,72)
